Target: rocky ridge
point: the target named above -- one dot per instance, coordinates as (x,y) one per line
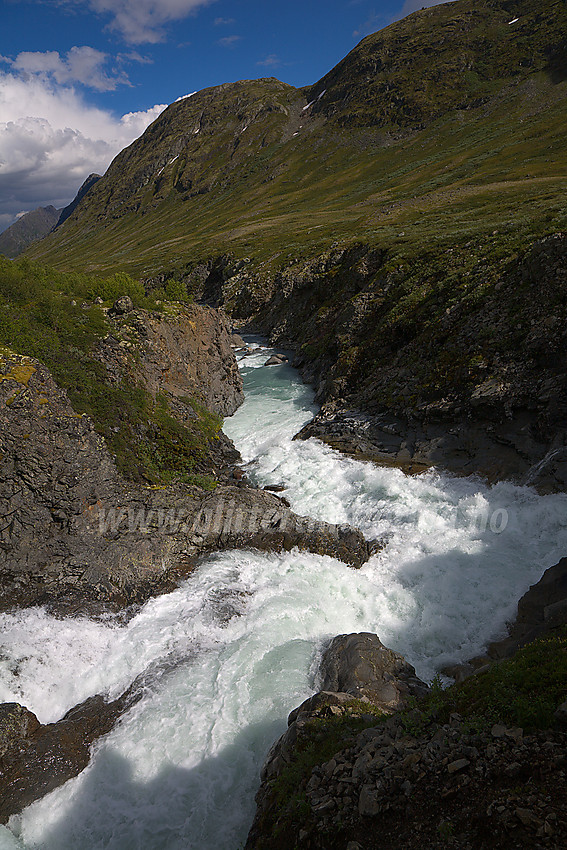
(28,228)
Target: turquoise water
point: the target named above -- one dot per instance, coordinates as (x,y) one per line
(235,648)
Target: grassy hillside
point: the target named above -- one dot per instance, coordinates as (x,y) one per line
(441,128)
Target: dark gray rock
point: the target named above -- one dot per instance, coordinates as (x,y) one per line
(36,758)
(276,360)
(497,448)
(360,665)
(123,305)
(541,609)
(355,668)
(561,714)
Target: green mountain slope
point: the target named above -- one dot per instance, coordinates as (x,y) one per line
(451,121)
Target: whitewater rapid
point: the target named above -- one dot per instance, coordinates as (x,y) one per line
(227,655)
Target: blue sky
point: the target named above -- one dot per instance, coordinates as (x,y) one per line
(80,79)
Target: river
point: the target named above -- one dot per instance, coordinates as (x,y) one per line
(235,648)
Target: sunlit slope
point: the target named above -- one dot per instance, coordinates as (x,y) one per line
(451,122)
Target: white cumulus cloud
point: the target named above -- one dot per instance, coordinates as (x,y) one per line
(51,140)
(83,65)
(143,21)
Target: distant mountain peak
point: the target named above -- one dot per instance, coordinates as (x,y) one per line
(28,228)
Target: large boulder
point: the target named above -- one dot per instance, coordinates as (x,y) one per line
(360,665)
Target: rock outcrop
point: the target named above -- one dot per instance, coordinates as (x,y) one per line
(410,779)
(434,784)
(36,758)
(360,665)
(540,610)
(184,353)
(76,536)
(356,670)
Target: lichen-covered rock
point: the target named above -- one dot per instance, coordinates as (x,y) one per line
(123,305)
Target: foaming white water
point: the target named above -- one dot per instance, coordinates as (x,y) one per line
(226,656)
(458,553)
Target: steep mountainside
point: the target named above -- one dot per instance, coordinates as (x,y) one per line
(27,229)
(70,208)
(450,113)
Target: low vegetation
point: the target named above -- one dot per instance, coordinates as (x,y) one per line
(52,316)
(522,691)
(399,152)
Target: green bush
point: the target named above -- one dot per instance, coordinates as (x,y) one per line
(111,288)
(176,290)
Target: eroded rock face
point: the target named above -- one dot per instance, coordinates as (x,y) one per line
(542,608)
(76,536)
(188,354)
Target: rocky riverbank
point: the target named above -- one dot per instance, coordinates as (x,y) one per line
(449,359)
(428,776)
(349,773)
(78,537)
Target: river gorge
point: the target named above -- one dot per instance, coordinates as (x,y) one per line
(223,659)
